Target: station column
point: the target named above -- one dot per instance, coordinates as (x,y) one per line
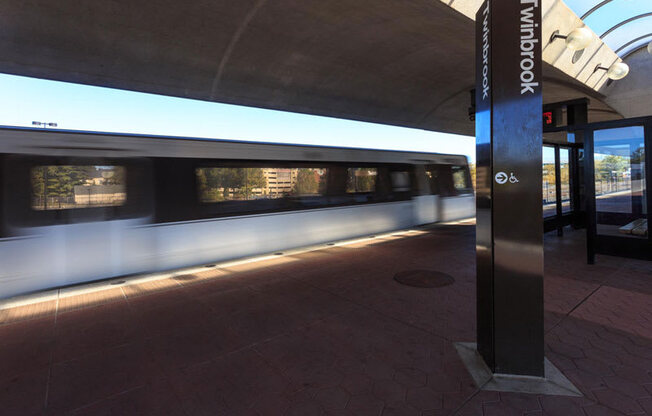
(509,241)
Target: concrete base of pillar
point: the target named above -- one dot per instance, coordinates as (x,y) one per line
(553,384)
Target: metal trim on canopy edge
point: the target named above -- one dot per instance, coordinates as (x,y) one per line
(596,7)
(632,42)
(624,22)
(633,51)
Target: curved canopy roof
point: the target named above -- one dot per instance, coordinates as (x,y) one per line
(407,63)
(624,25)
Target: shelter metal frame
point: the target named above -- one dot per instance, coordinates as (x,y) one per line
(640,248)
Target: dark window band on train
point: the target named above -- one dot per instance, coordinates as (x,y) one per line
(70,190)
(231,188)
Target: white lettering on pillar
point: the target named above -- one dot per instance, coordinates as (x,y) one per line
(528,45)
(485,53)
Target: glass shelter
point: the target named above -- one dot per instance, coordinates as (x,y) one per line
(561,185)
(562,166)
(617,179)
(597,176)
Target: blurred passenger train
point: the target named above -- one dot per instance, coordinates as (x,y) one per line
(80,206)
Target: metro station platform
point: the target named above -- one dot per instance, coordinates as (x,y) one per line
(323,332)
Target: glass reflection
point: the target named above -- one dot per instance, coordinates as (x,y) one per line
(361,180)
(564,171)
(549,182)
(245,184)
(59,187)
(619,158)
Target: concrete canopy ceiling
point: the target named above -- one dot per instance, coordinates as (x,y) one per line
(401,62)
(632,95)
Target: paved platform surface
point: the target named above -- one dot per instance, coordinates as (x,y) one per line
(327,332)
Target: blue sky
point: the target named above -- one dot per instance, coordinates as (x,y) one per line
(82,107)
(613,12)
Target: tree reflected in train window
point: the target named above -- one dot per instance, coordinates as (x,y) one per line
(229,184)
(361,180)
(246,184)
(58,187)
(310,182)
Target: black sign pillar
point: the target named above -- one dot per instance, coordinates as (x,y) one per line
(509,213)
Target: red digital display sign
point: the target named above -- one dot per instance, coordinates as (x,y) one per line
(548,118)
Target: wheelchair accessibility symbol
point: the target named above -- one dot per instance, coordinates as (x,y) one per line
(501,178)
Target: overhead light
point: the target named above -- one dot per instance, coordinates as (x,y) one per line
(618,70)
(576,40)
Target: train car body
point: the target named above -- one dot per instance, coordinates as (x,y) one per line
(79,206)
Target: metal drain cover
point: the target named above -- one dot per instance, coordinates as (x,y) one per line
(185,277)
(424,278)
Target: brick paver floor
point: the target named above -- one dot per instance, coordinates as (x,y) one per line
(328,332)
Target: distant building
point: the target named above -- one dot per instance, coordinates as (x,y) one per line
(280,181)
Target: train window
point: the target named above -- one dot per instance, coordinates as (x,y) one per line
(230,184)
(245,184)
(310,181)
(437,184)
(361,180)
(461,180)
(449,180)
(57,187)
(400,181)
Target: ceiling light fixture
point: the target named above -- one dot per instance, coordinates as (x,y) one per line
(576,40)
(618,70)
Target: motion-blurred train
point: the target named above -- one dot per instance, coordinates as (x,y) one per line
(80,206)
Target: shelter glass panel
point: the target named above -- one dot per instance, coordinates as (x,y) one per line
(565,173)
(619,158)
(549,182)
